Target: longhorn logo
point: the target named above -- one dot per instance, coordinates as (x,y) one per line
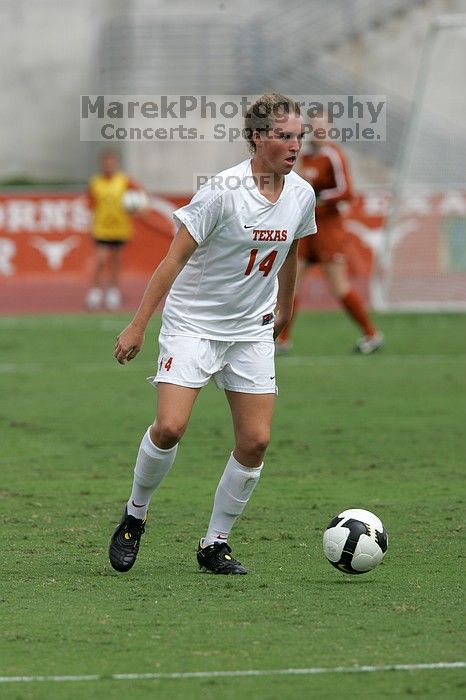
(374,238)
(55,251)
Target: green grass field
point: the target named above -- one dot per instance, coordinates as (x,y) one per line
(386,433)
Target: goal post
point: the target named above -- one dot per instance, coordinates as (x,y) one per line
(422,262)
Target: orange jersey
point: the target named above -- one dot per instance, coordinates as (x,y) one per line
(326,169)
(110,221)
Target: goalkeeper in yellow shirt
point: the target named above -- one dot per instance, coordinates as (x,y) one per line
(111,229)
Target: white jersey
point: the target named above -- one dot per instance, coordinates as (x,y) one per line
(228,288)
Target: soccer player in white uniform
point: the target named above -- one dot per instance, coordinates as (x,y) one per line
(230,276)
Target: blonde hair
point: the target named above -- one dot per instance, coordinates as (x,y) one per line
(264,112)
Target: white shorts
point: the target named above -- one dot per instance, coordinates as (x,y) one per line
(247,367)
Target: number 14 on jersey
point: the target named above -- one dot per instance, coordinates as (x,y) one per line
(265,265)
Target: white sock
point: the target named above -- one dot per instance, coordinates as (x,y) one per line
(152,464)
(233,492)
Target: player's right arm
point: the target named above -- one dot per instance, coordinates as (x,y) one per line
(338,167)
(90,198)
(131,339)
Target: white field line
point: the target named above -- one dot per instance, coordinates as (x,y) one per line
(293,361)
(21,323)
(237,674)
(383,359)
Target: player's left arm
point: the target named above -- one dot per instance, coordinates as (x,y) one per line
(286,287)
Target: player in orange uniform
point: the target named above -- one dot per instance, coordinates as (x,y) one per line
(326,169)
(111,229)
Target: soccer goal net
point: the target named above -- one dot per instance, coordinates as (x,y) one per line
(422,264)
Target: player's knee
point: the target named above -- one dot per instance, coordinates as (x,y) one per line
(166,433)
(256,445)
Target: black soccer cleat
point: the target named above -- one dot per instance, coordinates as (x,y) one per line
(124,543)
(217,559)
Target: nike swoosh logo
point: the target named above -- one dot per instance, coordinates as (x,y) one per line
(249,226)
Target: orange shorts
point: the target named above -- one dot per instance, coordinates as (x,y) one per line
(327,245)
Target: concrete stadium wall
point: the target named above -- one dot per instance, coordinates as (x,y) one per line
(51,53)
(48,55)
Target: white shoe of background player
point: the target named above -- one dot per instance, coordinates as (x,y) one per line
(94,299)
(369,343)
(113,299)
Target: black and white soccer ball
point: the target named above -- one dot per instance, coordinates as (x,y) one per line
(355,541)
